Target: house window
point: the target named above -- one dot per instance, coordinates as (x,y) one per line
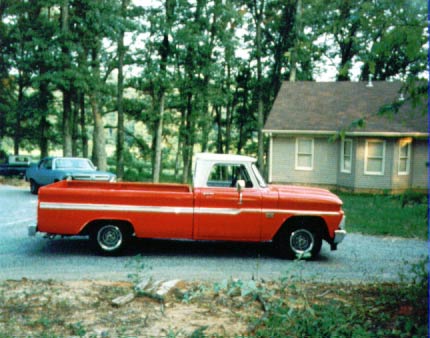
(346,156)
(304,153)
(404,156)
(374,157)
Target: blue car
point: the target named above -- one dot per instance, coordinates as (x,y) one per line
(54,169)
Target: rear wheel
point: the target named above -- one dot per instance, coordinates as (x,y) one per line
(299,242)
(34,187)
(110,238)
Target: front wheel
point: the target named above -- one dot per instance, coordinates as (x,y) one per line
(110,238)
(299,242)
(34,187)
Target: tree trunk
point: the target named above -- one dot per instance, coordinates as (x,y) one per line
(164,51)
(99,155)
(67,91)
(67,123)
(17,134)
(120,94)
(75,123)
(43,106)
(260,111)
(187,152)
(218,120)
(82,121)
(158,140)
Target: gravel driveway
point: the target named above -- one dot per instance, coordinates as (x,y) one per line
(359,258)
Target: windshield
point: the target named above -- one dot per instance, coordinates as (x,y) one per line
(74,163)
(260,178)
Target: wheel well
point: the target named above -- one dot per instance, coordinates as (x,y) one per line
(94,225)
(310,222)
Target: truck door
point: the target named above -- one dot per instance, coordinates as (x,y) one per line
(45,172)
(224,213)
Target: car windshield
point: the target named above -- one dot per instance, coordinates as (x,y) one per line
(74,163)
(260,178)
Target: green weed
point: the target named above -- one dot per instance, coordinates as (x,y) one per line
(380,310)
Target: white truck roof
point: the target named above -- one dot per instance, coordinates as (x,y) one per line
(224,158)
(205,161)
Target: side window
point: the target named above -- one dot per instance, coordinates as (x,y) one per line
(404,157)
(227,175)
(47,164)
(346,156)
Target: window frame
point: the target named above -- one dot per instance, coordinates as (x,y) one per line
(408,142)
(366,157)
(311,154)
(342,155)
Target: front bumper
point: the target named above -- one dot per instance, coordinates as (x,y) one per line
(32,229)
(339,236)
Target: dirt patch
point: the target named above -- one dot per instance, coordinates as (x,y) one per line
(229,308)
(14,181)
(84,308)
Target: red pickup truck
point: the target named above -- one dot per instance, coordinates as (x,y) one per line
(229,201)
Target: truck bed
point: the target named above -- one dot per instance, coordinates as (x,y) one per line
(67,207)
(124,186)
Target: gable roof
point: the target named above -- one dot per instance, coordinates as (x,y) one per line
(330,107)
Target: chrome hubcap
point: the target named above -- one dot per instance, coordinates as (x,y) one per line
(109,237)
(302,241)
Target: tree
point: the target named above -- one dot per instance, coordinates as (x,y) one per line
(121,50)
(67,81)
(396,33)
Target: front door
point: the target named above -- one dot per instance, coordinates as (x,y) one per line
(45,172)
(224,213)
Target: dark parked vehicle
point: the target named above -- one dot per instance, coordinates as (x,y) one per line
(15,165)
(54,169)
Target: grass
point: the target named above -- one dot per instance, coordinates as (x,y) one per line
(393,215)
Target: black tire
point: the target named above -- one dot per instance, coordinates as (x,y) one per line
(298,242)
(34,187)
(110,238)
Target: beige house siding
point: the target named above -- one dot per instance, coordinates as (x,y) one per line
(419,164)
(325,162)
(326,169)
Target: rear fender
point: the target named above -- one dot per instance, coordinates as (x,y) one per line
(93,225)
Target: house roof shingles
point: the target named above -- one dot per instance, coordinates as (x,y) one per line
(334,106)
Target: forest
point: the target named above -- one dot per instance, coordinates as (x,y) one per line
(140,86)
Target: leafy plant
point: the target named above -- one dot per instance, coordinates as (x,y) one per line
(361,311)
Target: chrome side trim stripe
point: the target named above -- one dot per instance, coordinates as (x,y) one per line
(116,207)
(177,210)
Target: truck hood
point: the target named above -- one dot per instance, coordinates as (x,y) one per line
(307,196)
(97,175)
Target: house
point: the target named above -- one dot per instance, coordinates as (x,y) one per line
(389,152)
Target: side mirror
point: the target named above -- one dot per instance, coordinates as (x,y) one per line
(240,185)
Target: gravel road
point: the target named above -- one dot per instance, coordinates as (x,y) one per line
(359,258)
